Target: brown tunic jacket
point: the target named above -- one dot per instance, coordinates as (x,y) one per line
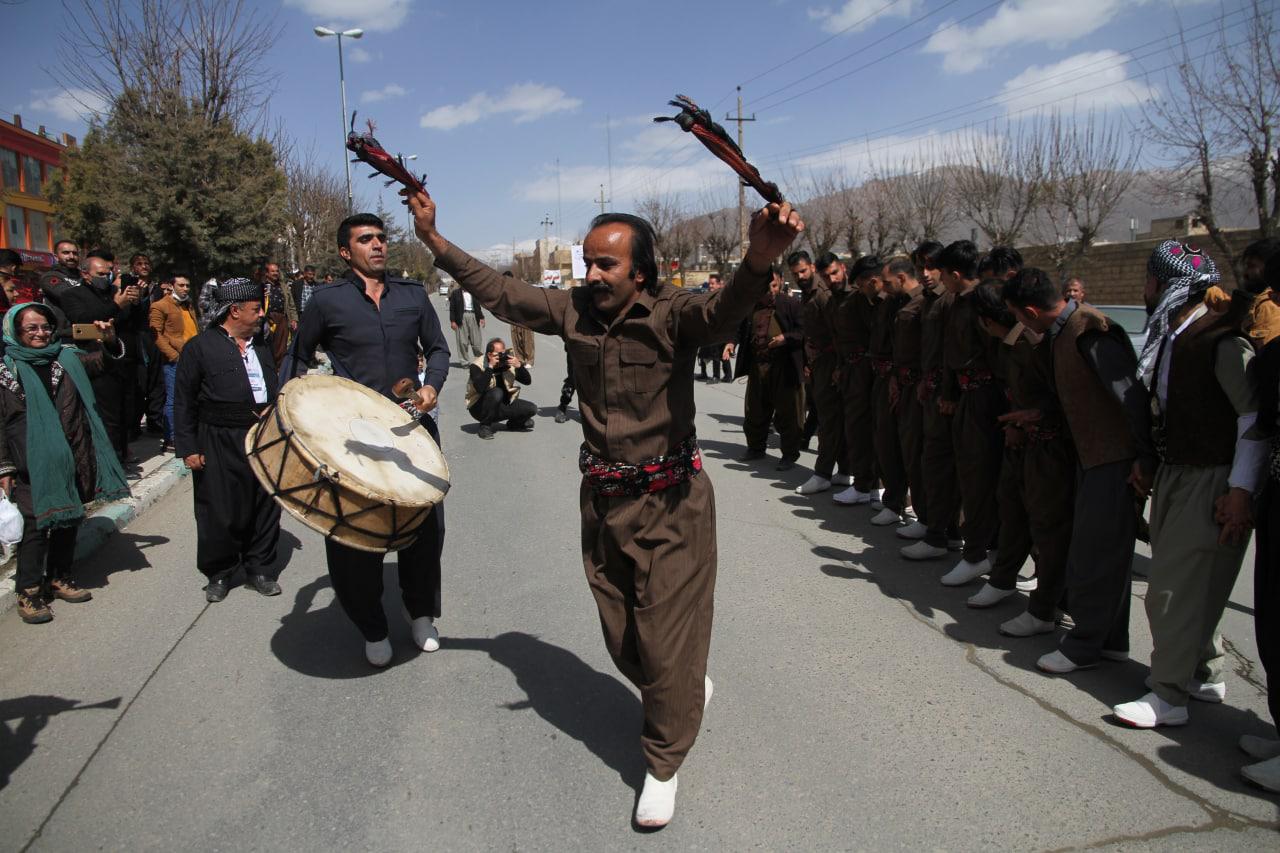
(817,328)
(1097,421)
(635,373)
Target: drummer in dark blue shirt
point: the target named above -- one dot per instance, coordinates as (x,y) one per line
(371,326)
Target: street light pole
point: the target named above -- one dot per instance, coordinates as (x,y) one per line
(405,159)
(324,32)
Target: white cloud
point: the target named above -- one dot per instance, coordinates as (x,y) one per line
(858,159)
(582,183)
(1080,78)
(359,54)
(391,90)
(372,15)
(856,15)
(68,104)
(1021,22)
(526,101)
(668,139)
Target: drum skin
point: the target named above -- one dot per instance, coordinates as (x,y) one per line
(348,463)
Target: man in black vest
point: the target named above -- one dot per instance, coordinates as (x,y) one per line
(225,379)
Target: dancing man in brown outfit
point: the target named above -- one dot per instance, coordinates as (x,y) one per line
(648,511)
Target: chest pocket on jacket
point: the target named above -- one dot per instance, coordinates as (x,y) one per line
(640,373)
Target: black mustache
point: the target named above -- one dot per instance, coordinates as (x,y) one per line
(601,287)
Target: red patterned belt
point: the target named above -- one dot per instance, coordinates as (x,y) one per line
(1042,433)
(858,354)
(975,378)
(908,376)
(626,479)
(931,380)
(882,366)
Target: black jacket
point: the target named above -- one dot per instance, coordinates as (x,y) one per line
(791,321)
(87,304)
(456,310)
(212,386)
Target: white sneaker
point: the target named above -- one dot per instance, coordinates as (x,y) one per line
(707,689)
(425,634)
(1150,711)
(989,596)
(922,550)
(851,497)
(813,485)
(886,517)
(1027,584)
(378,654)
(965,572)
(1260,748)
(842,480)
(914,530)
(657,802)
(877,499)
(1264,774)
(1059,664)
(1025,625)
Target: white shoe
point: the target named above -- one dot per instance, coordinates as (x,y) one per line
(1260,748)
(965,572)
(1150,711)
(1027,585)
(914,530)
(707,689)
(813,485)
(1059,664)
(1212,692)
(657,802)
(922,550)
(378,654)
(851,497)
(989,596)
(425,634)
(877,499)
(1025,625)
(886,517)
(1264,774)
(842,480)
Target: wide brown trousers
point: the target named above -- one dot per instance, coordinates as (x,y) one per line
(830,405)
(651,565)
(979,446)
(941,489)
(888,448)
(772,400)
(910,420)
(859,424)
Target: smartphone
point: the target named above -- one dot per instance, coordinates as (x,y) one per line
(85,332)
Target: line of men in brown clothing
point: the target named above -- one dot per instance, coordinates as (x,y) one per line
(979,407)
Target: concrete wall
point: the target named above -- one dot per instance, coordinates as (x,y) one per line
(1114,274)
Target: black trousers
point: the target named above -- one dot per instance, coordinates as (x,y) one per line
(492,408)
(357,575)
(237,523)
(114,390)
(41,553)
(1266,592)
(149,397)
(569,387)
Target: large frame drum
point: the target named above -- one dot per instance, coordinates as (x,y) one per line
(348,463)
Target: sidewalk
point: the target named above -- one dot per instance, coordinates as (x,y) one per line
(149,480)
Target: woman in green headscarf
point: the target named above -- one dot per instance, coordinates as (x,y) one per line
(55,455)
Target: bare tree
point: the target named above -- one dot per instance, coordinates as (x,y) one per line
(663,210)
(920,196)
(880,214)
(315,203)
(721,235)
(1217,125)
(997,178)
(823,217)
(683,239)
(853,222)
(1089,167)
(203,54)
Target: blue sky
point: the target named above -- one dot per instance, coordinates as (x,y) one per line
(490,94)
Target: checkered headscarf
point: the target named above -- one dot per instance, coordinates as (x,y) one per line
(1182,270)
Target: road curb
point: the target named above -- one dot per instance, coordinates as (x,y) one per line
(106,520)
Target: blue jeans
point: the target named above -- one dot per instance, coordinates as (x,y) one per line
(170,375)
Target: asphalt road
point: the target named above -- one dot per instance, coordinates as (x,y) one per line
(858,704)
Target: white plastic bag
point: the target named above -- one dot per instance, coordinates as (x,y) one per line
(10,522)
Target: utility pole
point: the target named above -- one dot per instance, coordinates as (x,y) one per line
(559,197)
(546,224)
(742,187)
(602,201)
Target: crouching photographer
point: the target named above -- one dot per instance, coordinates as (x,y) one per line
(492,392)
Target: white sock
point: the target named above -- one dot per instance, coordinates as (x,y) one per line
(657,802)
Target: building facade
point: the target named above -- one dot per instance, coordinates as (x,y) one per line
(30,164)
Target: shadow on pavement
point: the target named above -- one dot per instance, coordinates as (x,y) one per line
(29,715)
(321,642)
(123,552)
(595,709)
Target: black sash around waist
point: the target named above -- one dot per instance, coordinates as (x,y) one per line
(233,415)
